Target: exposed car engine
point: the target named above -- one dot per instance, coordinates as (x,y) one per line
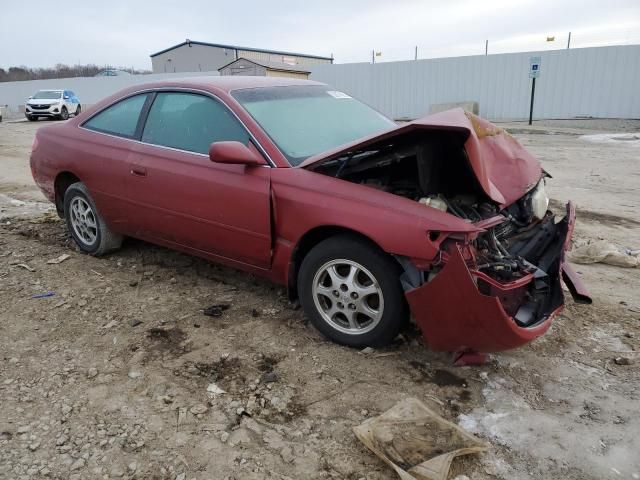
(435,172)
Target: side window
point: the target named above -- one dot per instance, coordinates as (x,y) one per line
(191,122)
(119,119)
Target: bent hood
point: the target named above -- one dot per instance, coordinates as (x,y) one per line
(504,169)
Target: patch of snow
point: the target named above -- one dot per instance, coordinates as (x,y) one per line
(632,139)
(562,433)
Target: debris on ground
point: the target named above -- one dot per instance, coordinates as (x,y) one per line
(417,442)
(622,361)
(602,251)
(60,259)
(43,295)
(216,310)
(214,390)
(25,266)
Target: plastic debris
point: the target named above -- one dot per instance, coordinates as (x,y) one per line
(43,295)
(416,442)
(60,259)
(214,390)
(26,267)
(469,358)
(601,251)
(216,310)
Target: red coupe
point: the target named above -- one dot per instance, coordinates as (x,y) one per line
(365,221)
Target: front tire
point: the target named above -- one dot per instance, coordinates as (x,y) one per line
(87,227)
(31,118)
(64,113)
(351,292)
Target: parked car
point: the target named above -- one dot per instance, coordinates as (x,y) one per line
(52,104)
(364,221)
(111,72)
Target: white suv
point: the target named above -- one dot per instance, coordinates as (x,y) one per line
(53,104)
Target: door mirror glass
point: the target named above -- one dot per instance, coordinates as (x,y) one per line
(66,97)
(234,153)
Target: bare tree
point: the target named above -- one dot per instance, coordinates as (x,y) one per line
(13,74)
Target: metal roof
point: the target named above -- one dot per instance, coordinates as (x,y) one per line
(236,47)
(285,67)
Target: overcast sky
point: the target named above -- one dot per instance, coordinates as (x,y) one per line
(126,32)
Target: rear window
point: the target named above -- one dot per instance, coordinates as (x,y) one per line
(120,119)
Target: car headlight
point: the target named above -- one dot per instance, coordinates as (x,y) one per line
(539,201)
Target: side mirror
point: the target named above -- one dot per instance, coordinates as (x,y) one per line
(30,98)
(66,97)
(234,153)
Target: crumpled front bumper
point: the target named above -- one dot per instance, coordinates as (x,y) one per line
(454,315)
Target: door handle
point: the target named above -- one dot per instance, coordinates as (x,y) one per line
(138,171)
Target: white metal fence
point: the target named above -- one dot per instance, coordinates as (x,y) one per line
(88,89)
(601,82)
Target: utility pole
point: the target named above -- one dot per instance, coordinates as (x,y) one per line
(486,47)
(569,41)
(416,55)
(373,56)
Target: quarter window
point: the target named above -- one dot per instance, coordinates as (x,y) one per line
(120,119)
(190,122)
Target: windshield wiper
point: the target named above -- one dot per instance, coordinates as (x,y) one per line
(348,158)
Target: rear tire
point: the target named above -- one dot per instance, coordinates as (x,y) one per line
(64,113)
(351,292)
(86,226)
(78,110)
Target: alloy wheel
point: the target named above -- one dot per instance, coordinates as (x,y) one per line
(348,296)
(84,221)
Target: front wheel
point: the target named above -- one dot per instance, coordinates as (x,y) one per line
(64,113)
(351,292)
(86,225)
(31,118)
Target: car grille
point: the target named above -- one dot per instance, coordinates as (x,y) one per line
(39,107)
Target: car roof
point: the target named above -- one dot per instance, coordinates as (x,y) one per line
(228,83)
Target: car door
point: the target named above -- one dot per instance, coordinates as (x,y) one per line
(183,198)
(104,156)
(67,102)
(73,102)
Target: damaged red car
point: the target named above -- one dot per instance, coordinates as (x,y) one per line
(365,221)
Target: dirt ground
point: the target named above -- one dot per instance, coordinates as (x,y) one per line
(109,376)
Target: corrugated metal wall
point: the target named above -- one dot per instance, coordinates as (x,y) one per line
(599,82)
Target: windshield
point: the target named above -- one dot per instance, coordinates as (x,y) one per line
(48,94)
(304,120)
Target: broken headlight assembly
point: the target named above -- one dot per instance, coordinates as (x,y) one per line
(537,201)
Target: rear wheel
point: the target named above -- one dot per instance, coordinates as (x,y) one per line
(78,110)
(351,292)
(64,113)
(86,225)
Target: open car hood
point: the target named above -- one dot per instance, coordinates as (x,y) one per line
(504,169)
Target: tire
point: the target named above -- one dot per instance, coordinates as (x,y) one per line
(64,113)
(78,110)
(87,227)
(31,118)
(377,311)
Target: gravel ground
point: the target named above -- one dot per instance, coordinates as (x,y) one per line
(115,375)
